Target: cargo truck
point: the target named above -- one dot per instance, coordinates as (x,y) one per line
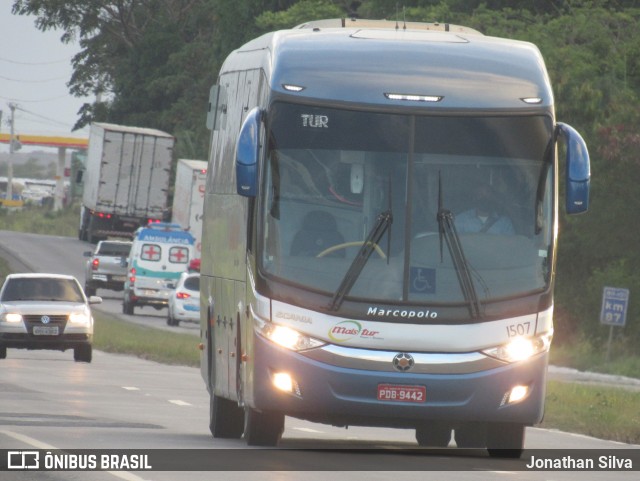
(188,197)
(126,180)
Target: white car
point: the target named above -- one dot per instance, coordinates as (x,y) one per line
(46,311)
(184,301)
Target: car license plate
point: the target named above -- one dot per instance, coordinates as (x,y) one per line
(402,393)
(119,278)
(45,330)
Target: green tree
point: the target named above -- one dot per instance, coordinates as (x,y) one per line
(154,61)
(299,13)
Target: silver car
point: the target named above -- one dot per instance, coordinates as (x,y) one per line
(106,267)
(46,311)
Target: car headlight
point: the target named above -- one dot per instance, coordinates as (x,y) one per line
(12,317)
(521,348)
(80,318)
(286,337)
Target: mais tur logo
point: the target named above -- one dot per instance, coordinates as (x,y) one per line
(347,330)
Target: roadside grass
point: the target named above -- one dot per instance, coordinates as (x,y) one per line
(42,220)
(601,412)
(121,337)
(4,270)
(583,355)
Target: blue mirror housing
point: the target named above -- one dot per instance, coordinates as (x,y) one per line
(247,152)
(578,174)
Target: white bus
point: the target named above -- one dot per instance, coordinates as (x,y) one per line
(379,236)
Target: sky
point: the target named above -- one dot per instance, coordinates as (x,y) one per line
(35,67)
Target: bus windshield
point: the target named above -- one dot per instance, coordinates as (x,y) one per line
(467,203)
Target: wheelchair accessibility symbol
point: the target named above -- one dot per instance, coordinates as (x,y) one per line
(423,280)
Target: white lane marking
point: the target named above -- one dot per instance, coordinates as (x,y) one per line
(308,430)
(178,402)
(130,388)
(27,440)
(41,445)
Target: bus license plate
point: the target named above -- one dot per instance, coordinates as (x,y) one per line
(402,393)
(45,330)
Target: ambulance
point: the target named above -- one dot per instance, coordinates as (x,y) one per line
(160,253)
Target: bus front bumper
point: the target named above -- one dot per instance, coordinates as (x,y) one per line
(329,392)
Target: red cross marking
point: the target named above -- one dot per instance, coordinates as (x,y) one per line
(177,254)
(150,252)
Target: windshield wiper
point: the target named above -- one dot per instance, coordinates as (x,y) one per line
(448,230)
(383,222)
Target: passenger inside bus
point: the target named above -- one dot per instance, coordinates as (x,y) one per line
(484,216)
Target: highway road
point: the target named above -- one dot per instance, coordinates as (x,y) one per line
(48,401)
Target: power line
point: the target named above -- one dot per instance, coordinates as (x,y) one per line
(11,99)
(36,63)
(39,81)
(41,116)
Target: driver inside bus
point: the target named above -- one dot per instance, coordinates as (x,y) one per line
(483,218)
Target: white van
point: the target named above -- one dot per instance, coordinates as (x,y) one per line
(160,253)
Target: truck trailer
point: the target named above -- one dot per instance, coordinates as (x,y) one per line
(188,197)
(126,180)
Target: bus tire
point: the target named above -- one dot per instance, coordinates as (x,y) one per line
(471,435)
(435,435)
(505,440)
(262,428)
(226,418)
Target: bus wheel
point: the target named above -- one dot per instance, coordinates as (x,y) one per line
(471,435)
(505,440)
(435,435)
(226,419)
(262,428)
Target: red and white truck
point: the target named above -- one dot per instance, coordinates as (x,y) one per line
(188,197)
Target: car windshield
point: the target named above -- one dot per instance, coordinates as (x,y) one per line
(331,174)
(114,250)
(42,289)
(192,283)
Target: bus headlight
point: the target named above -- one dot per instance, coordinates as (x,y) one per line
(521,348)
(286,337)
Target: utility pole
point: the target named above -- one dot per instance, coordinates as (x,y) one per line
(9,195)
(1,112)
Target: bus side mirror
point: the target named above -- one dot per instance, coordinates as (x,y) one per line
(247,152)
(578,172)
